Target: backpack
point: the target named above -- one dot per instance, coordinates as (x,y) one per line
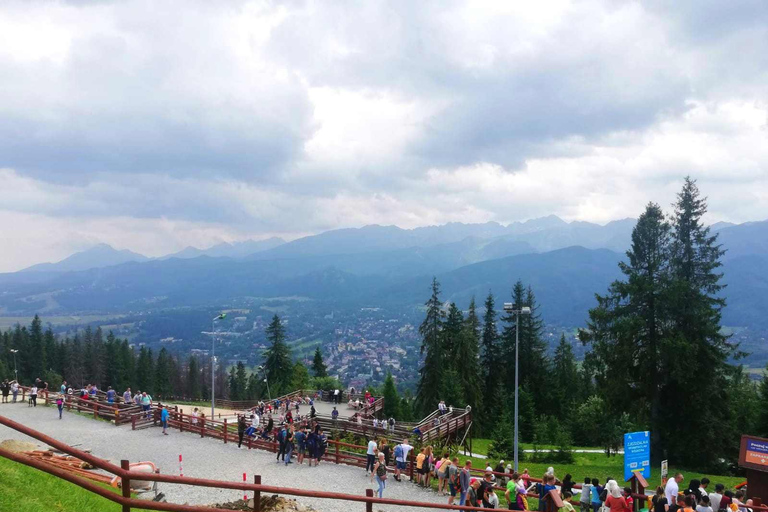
(398,452)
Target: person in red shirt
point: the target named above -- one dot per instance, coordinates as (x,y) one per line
(615,501)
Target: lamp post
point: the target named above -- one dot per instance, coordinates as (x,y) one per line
(262,369)
(15,370)
(213,362)
(525,310)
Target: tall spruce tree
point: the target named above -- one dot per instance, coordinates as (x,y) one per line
(468,364)
(277,359)
(162,382)
(145,370)
(429,386)
(566,378)
(36,356)
(534,365)
(391,398)
(453,332)
(699,346)
(630,328)
(491,364)
(193,378)
(318,365)
(762,425)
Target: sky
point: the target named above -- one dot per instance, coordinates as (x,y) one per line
(153,126)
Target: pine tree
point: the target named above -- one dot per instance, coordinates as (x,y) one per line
(630,326)
(318,366)
(162,383)
(299,376)
(391,398)
(242,381)
(232,385)
(491,364)
(699,343)
(467,359)
(566,378)
(254,387)
(127,366)
(533,365)
(277,359)
(762,426)
(145,371)
(429,386)
(193,379)
(36,358)
(49,350)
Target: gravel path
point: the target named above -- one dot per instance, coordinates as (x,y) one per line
(206,458)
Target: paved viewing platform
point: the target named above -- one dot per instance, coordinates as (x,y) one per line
(205,458)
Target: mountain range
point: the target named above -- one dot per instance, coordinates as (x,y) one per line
(566,263)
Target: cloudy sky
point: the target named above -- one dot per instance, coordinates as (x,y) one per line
(156,125)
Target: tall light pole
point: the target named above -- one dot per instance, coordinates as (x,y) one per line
(213,362)
(525,310)
(15,370)
(261,368)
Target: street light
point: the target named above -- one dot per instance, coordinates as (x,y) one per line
(15,371)
(261,368)
(213,362)
(525,310)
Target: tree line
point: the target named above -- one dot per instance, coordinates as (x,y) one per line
(657,357)
(90,357)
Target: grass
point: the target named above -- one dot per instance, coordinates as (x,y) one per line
(593,465)
(23,488)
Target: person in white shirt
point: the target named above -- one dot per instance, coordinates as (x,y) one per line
(716,497)
(401,457)
(372,446)
(672,488)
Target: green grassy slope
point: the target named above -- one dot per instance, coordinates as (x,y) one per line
(26,489)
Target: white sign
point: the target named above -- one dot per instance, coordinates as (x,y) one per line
(664,470)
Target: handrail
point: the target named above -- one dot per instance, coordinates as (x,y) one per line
(127,475)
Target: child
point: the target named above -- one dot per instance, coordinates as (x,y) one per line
(60,405)
(629,499)
(596,491)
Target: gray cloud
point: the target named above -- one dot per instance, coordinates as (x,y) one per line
(246,118)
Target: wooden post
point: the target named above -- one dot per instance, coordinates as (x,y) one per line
(638,484)
(95,410)
(412,464)
(133,422)
(226,429)
(126,484)
(257,494)
(180,418)
(369,504)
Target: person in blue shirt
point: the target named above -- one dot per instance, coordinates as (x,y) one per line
(301,443)
(597,490)
(164,419)
(111,395)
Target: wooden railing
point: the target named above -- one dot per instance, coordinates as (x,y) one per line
(126,476)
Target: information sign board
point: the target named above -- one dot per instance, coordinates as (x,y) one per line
(637,454)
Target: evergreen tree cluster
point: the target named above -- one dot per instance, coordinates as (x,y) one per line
(89,357)
(657,356)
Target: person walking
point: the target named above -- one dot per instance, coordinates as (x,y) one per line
(281,443)
(127,397)
(370,456)
(33,396)
(5,387)
(380,474)
(673,488)
(14,390)
(240,431)
(164,419)
(464,479)
(63,388)
(60,404)
(386,450)
(289,445)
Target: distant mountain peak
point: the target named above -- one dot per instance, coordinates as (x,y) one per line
(99,256)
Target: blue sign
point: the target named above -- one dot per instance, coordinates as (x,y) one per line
(637,454)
